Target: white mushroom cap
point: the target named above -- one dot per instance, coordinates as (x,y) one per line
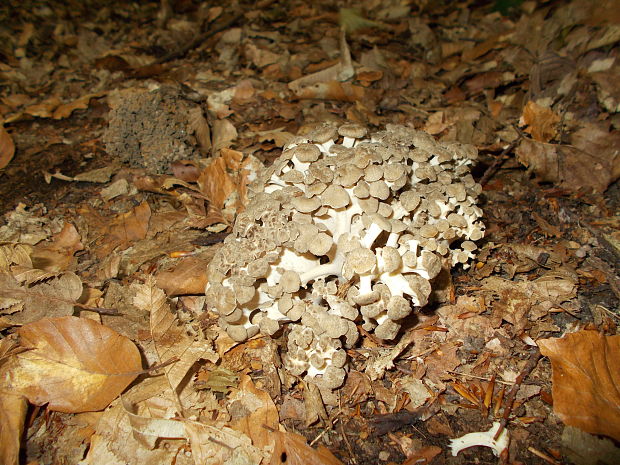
(290,281)
(387,330)
(398,307)
(335,197)
(305,204)
(320,244)
(357,131)
(333,377)
(306,153)
(237,333)
(361,260)
(391,259)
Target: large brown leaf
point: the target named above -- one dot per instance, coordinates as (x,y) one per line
(72,364)
(7,147)
(586,380)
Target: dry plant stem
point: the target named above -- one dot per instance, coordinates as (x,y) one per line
(101,311)
(348,444)
(331,426)
(159,366)
(512,394)
(543,456)
(498,162)
(206,35)
(197,41)
(482,378)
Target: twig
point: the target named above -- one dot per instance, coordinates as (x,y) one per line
(101,311)
(499,161)
(343,433)
(334,421)
(179,53)
(543,456)
(159,366)
(346,441)
(512,394)
(482,378)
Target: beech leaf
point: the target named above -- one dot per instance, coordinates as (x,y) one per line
(586,380)
(7,147)
(170,339)
(72,364)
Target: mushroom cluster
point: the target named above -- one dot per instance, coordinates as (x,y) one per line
(344,229)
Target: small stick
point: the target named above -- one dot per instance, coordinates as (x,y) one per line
(543,456)
(324,431)
(498,162)
(346,441)
(512,394)
(483,378)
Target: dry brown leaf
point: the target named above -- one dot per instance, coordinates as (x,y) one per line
(189,276)
(602,143)
(215,182)
(566,165)
(541,121)
(15,254)
(244,92)
(218,444)
(291,449)
(148,430)
(482,81)
(333,90)
(13,409)
(53,298)
(256,414)
(125,229)
(185,170)
(98,175)
(423,456)
(65,110)
(72,364)
(586,380)
(120,439)
(57,255)
(44,109)
(224,132)
(170,339)
(7,147)
(481,49)
(200,126)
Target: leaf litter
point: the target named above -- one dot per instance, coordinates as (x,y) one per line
(146,132)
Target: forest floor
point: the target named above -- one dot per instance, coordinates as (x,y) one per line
(130,132)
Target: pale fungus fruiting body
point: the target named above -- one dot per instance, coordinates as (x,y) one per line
(343,231)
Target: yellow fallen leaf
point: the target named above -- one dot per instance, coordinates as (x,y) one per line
(72,364)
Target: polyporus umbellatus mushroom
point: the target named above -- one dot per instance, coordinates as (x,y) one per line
(341,231)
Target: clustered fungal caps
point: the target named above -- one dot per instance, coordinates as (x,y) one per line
(344,229)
